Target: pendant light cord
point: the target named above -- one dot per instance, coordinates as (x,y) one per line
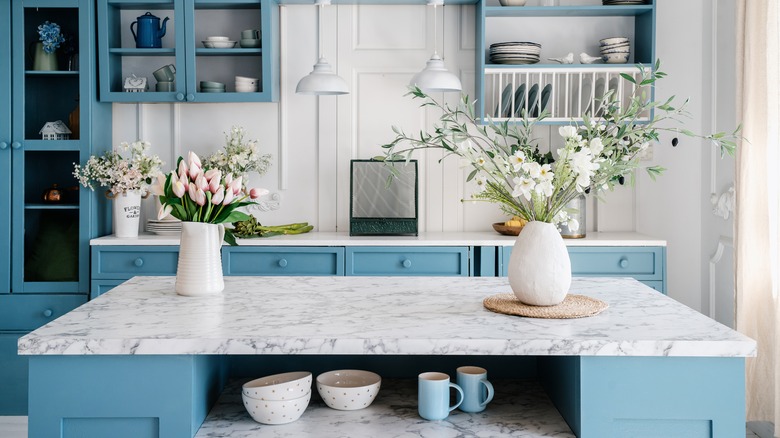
(319,27)
(435,31)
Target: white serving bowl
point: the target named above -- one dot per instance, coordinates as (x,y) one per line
(246,79)
(217,38)
(612,40)
(283,386)
(512,2)
(276,411)
(618,50)
(348,390)
(615,58)
(219,44)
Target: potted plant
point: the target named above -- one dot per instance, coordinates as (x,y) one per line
(510,169)
(127,173)
(50,37)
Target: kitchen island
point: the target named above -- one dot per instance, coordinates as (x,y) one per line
(141,361)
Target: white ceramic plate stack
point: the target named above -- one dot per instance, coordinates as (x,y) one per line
(247,85)
(615,50)
(164,227)
(218,42)
(623,2)
(524,52)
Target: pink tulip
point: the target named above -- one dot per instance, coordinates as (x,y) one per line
(192,190)
(257,192)
(219,196)
(200,197)
(165,210)
(193,160)
(158,188)
(201,183)
(179,189)
(211,173)
(228,179)
(174,177)
(194,172)
(183,171)
(215,183)
(228,197)
(236,185)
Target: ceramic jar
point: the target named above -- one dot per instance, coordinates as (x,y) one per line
(539,269)
(199,272)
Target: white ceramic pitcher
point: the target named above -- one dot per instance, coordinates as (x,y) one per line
(199,272)
(127,213)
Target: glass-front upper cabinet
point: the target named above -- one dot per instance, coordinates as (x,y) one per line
(188,50)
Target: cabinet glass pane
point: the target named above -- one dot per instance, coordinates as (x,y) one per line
(51,82)
(51,245)
(44,169)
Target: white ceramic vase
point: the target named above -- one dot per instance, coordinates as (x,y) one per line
(539,269)
(127,213)
(199,272)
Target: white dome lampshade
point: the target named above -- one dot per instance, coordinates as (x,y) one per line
(322,81)
(436,78)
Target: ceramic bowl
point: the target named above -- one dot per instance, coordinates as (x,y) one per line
(250,89)
(507,230)
(212,84)
(348,390)
(219,44)
(512,2)
(217,38)
(615,58)
(283,386)
(249,43)
(276,411)
(246,80)
(612,40)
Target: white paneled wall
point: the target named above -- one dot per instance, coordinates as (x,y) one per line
(377,49)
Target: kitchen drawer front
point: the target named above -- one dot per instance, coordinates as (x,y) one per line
(283,260)
(99,287)
(124,262)
(405,261)
(642,263)
(28,312)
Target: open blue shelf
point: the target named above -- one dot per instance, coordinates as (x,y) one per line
(567,11)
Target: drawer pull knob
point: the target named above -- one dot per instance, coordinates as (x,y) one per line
(190,97)
(624,262)
(3,145)
(180,96)
(47,313)
(16,145)
(138,262)
(407,263)
(283,263)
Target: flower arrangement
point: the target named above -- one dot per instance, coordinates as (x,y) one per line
(192,193)
(119,173)
(240,157)
(51,36)
(509,168)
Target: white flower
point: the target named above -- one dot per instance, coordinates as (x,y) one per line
(517,160)
(567,132)
(480,161)
(523,187)
(533,169)
(544,188)
(481,183)
(573,224)
(583,166)
(596,146)
(545,173)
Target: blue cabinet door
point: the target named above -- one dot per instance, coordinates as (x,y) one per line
(5,149)
(13,376)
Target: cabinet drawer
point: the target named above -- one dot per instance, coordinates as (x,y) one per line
(99,287)
(436,261)
(642,263)
(126,262)
(28,312)
(283,261)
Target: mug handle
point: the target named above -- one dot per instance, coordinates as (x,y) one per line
(173,67)
(460,392)
(490,393)
(135,37)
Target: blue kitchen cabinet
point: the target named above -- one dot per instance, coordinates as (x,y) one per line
(44,243)
(406,261)
(191,22)
(645,263)
(292,260)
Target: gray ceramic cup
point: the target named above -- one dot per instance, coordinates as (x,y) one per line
(165,86)
(166,73)
(250,34)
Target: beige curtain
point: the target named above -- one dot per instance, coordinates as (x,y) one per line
(757,225)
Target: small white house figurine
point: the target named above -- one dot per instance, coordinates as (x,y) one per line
(134,84)
(55,131)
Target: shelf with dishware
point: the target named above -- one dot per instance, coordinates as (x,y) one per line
(201,42)
(515,45)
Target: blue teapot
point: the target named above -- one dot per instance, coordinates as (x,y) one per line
(150,32)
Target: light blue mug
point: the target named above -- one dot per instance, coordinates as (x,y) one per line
(433,395)
(477,391)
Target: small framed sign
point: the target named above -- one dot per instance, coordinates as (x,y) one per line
(383,198)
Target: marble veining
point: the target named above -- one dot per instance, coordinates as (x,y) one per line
(519,409)
(469,238)
(376,316)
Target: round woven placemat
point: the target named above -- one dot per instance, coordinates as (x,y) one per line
(573,306)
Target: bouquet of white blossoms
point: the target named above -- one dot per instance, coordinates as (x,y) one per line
(240,157)
(126,169)
(509,168)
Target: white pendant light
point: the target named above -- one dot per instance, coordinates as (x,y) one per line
(435,77)
(322,81)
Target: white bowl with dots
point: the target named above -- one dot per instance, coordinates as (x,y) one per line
(285,386)
(276,411)
(348,390)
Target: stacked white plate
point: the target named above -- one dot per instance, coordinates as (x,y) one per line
(164,227)
(247,85)
(622,2)
(524,52)
(615,50)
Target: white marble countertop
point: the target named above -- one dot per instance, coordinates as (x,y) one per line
(376,316)
(466,238)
